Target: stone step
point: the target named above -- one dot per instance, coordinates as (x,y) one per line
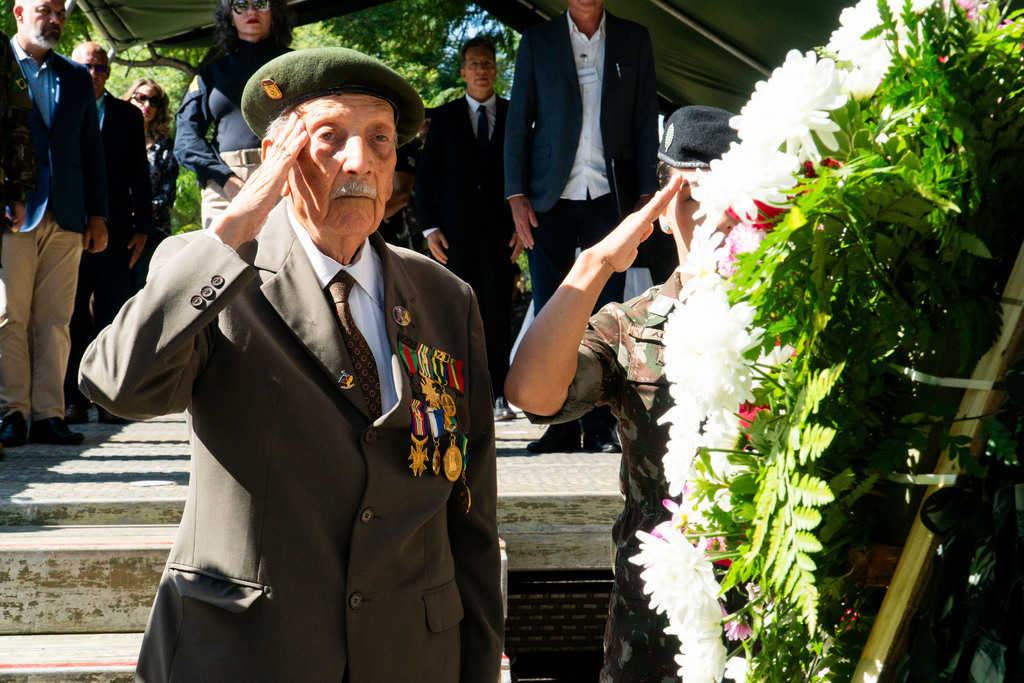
(69,658)
(84,578)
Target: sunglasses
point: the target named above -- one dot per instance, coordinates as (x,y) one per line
(242,6)
(98,68)
(154,101)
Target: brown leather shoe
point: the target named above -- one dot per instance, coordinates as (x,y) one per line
(76,414)
(108,418)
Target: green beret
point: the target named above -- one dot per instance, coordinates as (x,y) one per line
(307,74)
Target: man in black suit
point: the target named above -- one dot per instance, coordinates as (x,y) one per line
(580,153)
(461,207)
(104,279)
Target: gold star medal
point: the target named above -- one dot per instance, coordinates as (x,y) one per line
(418,455)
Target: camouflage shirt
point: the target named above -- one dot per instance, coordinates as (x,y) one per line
(17,154)
(621,363)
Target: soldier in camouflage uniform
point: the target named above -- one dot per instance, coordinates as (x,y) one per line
(17,155)
(567,364)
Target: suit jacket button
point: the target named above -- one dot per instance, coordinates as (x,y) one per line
(207,292)
(370,436)
(366,516)
(355,601)
(217,281)
(197,301)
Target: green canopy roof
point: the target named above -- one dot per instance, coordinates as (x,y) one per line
(705,52)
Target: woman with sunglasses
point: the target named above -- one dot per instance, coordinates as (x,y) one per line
(150,98)
(250,33)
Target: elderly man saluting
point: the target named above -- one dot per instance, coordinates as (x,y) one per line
(340,521)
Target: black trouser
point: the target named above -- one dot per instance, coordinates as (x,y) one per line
(485,266)
(568,225)
(104,284)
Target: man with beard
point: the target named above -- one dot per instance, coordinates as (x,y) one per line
(65,214)
(342,497)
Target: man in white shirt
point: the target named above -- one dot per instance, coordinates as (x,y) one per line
(461,205)
(580,154)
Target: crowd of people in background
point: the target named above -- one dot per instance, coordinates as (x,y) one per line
(553,169)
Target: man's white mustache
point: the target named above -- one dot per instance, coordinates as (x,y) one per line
(355,188)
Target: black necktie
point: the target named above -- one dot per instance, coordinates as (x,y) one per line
(481,126)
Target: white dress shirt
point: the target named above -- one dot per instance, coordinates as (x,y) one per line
(366,301)
(589,175)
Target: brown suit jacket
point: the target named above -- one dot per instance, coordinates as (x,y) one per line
(307,546)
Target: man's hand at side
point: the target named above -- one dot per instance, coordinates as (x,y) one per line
(94,237)
(524,217)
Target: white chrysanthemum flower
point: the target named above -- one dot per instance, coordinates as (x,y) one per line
(736,669)
(793,106)
(702,659)
(743,175)
(676,576)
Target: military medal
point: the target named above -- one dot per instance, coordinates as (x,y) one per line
(418,456)
(448,405)
(418,453)
(434,419)
(465,500)
(430,392)
(452,462)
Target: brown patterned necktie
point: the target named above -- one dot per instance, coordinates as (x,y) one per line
(358,349)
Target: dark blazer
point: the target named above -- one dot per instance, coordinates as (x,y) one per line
(546,112)
(307,546)
(69,153)
(124,150)
(459,187)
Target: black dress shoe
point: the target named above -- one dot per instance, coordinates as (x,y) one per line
(76,414)
(562,438)
(601,441)
(108,418)
(53,431)
(13,430)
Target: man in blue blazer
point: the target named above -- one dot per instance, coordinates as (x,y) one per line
(104,279)
(64,214)
(460,203)
(581,148)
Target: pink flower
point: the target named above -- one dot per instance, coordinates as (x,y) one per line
(742,239)
(736,628)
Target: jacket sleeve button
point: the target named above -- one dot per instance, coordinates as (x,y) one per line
(207,292)
(197,301)
(217,281)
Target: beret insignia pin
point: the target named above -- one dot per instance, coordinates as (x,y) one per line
(270,87)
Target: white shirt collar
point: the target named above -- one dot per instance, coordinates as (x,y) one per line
(598,34)
(366,271)
(489,102)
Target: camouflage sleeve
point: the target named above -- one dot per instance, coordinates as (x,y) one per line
(17,153)
(597,368)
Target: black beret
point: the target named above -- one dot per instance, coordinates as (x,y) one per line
(303,75)
(696,136)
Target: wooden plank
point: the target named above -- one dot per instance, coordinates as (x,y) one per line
(888,637)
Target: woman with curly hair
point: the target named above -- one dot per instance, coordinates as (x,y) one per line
(150,98)
(250,33)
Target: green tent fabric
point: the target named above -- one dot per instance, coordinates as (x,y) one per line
(705,52)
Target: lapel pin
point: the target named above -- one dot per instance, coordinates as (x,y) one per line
(401,315)
(346,381)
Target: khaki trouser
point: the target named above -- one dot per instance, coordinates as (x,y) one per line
(37,296)
(242,163)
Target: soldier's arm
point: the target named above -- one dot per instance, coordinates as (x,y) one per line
(545,363)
